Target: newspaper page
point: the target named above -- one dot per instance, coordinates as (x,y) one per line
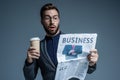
(72,55)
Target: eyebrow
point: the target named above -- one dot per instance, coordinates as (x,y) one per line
(50,16)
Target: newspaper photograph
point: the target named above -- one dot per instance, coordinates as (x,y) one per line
(72,55)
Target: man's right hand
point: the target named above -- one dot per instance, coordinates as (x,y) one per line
(32,54)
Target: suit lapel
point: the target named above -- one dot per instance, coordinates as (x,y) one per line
(46,55)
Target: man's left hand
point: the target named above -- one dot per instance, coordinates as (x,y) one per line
(93,57)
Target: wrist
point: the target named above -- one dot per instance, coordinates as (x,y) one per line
(29,60)
(92,63)
(28,63)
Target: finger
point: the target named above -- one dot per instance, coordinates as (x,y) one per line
(93,55)
(90,57)
(31,48)
(33,51)
(93,59)
(93,51)
(35,54)
(35,57)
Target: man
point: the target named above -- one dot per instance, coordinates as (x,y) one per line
(46,60)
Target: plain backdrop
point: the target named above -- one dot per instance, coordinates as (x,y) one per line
(20,20)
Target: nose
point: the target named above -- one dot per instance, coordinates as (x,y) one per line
(51,21)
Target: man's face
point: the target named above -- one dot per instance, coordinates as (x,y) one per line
(51,21)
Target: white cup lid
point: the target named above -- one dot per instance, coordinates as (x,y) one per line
(34,38)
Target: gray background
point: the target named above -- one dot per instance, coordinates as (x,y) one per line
(19,21)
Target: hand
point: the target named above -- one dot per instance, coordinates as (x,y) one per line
(32,54)
(93,57)
(72,52)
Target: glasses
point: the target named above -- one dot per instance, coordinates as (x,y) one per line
(54,18)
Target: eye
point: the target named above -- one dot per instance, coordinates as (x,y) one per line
(55,18)
(47,18)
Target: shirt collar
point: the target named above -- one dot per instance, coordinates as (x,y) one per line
(56,36)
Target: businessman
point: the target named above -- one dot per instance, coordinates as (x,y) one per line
(46,60)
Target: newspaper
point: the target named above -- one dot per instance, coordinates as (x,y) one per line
(72,55)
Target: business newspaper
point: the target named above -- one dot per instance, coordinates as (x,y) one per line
(72,55)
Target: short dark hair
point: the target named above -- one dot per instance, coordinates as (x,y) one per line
(48,6)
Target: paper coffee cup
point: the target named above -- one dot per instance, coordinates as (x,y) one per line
(35,43)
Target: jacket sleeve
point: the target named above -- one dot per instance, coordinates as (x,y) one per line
(91,69)
(30,70)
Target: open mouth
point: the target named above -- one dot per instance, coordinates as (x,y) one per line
(52,28)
